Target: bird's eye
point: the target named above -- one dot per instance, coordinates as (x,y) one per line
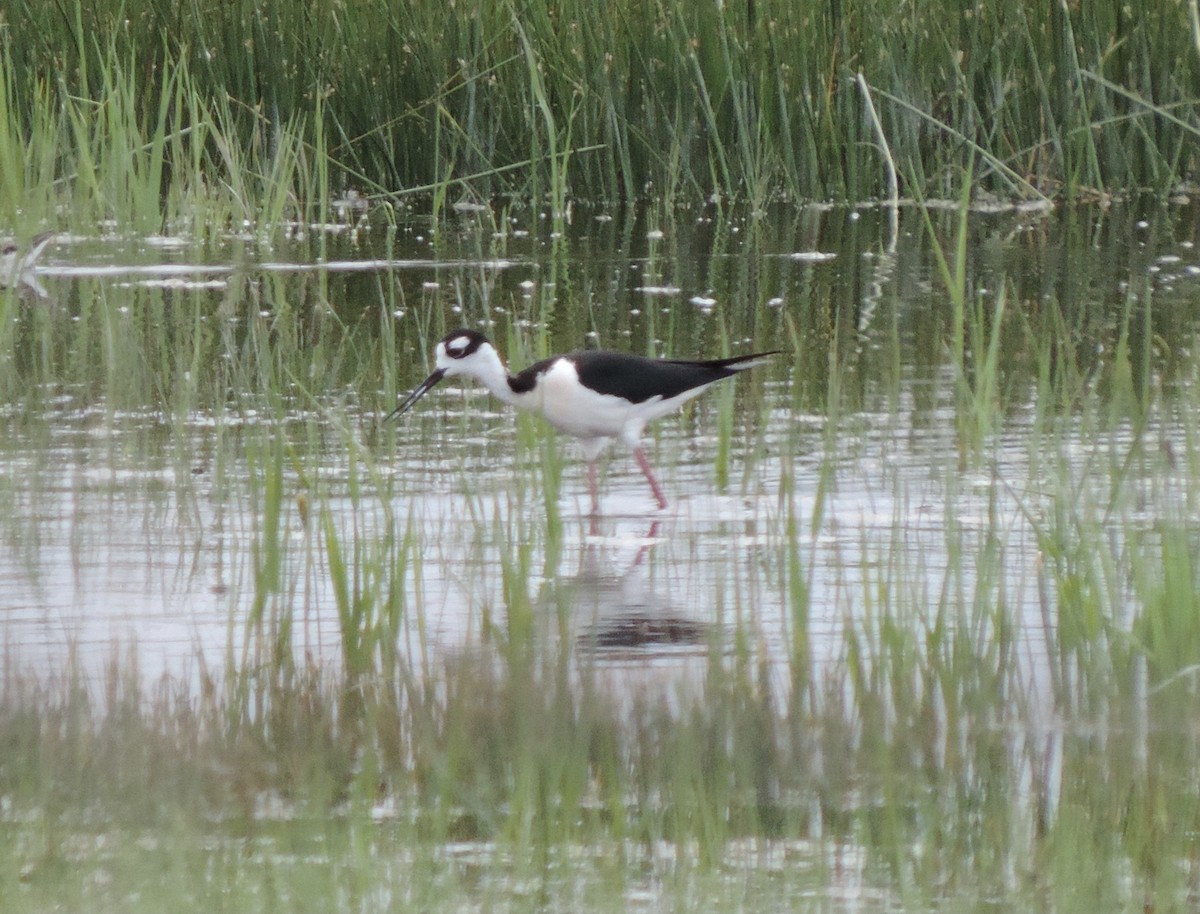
(457,346)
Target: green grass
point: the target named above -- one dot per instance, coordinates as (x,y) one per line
(917,758)
(265,112)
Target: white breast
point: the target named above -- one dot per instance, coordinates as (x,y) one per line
(576,410)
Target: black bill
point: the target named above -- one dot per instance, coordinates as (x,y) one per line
(417,394)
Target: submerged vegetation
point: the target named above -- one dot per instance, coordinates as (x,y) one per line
(270,107)
(940,634)
(948,709)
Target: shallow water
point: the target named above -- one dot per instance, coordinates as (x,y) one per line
(165,385)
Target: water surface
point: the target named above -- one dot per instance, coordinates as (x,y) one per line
(185,426)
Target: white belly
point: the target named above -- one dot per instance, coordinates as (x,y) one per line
(574,409)
(582,413)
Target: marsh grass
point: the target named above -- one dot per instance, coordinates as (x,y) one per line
(923,742)
(920,755)
(177,164)
(265,115)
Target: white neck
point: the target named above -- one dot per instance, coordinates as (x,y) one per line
(486,367)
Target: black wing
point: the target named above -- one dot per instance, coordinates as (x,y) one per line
(637,379)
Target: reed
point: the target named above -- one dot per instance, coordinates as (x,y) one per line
(556,101)
(918,759)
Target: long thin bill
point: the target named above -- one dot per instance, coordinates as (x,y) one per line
(416,395)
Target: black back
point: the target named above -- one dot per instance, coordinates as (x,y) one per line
(635,378)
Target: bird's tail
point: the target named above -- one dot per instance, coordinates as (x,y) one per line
(738,362)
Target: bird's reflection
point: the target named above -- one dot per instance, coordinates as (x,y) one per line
(618,613)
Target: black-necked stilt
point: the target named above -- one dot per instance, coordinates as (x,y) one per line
(593,395)
(16,266)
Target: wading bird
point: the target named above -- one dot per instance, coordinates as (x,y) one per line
(593,395)
(17,266)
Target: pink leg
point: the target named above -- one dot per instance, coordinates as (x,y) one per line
(640,456)
(593,487)
(645,550)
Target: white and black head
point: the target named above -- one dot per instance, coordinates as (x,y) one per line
(455,352)
(463,352)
